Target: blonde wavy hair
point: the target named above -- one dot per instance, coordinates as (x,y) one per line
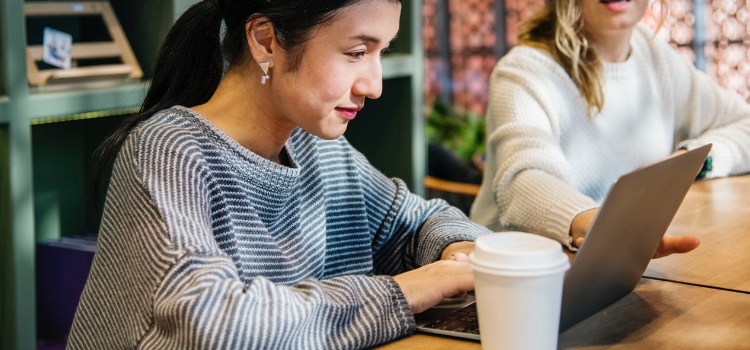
(558,29)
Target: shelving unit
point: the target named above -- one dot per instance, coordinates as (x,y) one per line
(47,138)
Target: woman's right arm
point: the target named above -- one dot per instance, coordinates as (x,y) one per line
(411,234)
(528,169)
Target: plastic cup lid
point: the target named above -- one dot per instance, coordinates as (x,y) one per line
(518,253)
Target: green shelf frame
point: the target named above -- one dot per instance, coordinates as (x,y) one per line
(60,106)
(398,65)
(21,110)
(4,109)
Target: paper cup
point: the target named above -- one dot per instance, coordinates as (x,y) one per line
(518,285)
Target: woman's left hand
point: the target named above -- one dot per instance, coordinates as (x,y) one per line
(669,245)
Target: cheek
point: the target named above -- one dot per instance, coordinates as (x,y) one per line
(331,86)
(323,79)
(588,13)
(588,9)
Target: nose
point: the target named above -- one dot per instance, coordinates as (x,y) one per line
(370,83)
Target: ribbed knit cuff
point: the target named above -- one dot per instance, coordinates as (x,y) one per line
(721,157)
(442,230)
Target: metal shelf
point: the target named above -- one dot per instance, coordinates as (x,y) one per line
(398,65)
(50,107)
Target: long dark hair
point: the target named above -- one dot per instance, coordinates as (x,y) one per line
(194,56)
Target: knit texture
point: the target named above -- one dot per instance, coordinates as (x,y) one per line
(548,161)
(206,245)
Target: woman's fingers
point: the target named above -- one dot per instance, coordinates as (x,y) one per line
(428,285)
(676,244)
(669,245)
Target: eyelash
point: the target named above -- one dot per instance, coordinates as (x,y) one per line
(360,54)
(357,55)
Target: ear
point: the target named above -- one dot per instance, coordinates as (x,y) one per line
(261,39)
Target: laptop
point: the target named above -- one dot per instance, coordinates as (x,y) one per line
(618,247)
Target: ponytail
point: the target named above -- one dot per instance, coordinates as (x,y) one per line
(189,65)
(187,72)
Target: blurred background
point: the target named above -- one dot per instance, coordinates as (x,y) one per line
(463,39)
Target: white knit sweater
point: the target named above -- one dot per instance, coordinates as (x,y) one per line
(547,161)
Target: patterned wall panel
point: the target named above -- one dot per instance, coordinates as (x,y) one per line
(726,45)
(518,11)
(679,27)
(472,40)
(433,64)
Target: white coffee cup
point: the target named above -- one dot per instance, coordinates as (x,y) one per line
(518,280)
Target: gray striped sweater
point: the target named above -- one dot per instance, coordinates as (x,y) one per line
(206,245)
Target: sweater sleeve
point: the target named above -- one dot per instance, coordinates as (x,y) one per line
(409,231)
(706,112)
(201,303)
(527,184)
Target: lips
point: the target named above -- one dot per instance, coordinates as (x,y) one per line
(348,113)
(616,5)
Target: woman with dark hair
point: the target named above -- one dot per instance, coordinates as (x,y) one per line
(237,216)
(588,95)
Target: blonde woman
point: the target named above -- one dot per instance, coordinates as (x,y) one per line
(588,95)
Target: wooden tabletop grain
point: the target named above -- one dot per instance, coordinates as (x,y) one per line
(717,212)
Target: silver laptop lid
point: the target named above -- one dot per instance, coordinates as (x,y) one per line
(625,234)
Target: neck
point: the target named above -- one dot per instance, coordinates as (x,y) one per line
(235,108)
(612,46)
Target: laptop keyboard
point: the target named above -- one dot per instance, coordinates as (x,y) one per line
(463,320)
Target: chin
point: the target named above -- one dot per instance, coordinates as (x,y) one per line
(331,134)
(329,137)
(623,24)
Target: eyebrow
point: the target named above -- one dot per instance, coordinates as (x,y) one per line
(371,39)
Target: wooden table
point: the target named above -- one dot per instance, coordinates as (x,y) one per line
(657,315)
(699,300)
(717,212)
(666,315)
